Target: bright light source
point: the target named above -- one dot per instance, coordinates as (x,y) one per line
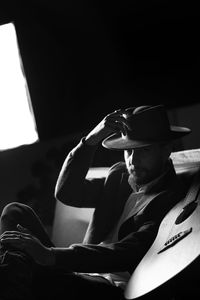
(17,123)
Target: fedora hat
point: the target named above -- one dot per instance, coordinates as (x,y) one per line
(147,125)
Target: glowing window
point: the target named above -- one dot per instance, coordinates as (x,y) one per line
(17,123)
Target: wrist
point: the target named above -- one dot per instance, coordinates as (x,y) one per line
(50,257)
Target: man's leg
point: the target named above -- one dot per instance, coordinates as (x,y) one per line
(48,282)
(54,285)
(16,268)
(17,213)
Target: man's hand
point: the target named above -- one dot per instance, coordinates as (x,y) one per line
(112,123)
(25,241)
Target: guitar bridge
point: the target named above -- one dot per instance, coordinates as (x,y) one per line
(175,239)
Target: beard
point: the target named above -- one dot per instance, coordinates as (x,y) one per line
(142,175)
(138,174)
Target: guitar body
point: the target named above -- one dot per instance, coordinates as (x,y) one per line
(175,249)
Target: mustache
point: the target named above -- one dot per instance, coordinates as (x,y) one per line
(133,169)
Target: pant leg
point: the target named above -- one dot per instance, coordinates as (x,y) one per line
(17,213)
(52,285)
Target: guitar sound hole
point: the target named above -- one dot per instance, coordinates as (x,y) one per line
(187,211)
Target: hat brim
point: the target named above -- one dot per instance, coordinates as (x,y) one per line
(118,142)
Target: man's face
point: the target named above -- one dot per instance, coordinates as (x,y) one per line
(146,163)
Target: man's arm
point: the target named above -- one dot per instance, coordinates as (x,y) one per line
(72,187)
(115,257)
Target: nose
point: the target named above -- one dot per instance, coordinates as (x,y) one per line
(135,157)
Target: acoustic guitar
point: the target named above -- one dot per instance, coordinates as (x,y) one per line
(175,249)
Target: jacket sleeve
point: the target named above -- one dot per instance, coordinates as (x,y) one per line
(125,254)
(72,187)
(115,257)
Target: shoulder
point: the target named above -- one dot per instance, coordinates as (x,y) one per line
(117,169)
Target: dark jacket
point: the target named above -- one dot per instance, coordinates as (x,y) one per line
(108,197)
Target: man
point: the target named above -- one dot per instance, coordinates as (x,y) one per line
(129,206)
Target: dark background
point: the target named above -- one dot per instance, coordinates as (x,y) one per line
(83,58)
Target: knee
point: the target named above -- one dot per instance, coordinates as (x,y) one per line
(14,211)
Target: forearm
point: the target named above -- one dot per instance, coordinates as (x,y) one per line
(74,170)
(88,258)
(117,257)
(123,255)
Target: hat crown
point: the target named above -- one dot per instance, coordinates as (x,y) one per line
(148,123)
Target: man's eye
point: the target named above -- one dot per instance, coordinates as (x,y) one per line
(145,149)
(129,152)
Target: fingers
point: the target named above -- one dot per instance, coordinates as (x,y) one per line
(118,112)
(13,240)
(13,236)
(13,233)
(116,125)
(16,239)
(117,121)
(22,229)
